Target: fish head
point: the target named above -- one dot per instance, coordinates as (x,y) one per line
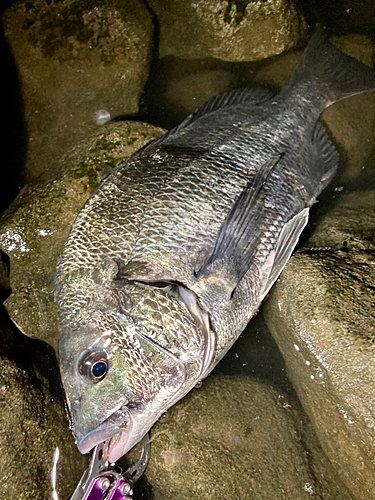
(117,380)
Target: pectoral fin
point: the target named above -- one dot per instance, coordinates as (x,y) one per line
(287,241)
(239,235)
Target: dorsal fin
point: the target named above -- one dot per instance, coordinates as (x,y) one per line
(256,95)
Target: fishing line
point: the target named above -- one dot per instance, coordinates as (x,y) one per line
(54,473)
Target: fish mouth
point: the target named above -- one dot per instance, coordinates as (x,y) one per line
(115,431)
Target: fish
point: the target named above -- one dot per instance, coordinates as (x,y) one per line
(176,250)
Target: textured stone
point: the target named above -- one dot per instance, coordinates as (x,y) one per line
(321,314)
(233,31)
(33,422)
(238,438)
(76,57)
(34,228)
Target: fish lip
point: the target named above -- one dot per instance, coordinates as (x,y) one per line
(116,446)
(106,431)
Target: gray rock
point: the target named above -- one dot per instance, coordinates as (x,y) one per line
(34,228)
(321,314)
(237,437)
(232,31)
(351,122)
(76,57)
(33,422)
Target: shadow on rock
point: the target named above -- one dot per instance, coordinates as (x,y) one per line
(13,135)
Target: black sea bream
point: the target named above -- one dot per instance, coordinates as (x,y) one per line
(174,252)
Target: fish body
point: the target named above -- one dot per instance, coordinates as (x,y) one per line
(176,249)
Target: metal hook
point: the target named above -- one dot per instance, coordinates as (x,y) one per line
(100,481)
(133,473)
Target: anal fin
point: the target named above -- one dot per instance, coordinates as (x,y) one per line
(287,241)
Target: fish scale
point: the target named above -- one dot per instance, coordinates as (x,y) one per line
(176,249)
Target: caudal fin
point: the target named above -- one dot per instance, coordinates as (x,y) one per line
(336,75)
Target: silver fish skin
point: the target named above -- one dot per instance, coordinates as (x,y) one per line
(174,252)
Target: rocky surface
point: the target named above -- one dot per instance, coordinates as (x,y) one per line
(33,421)
(237,437)
(232,31)
(321,314)
(35,227)
(179,86)
(189,92)
(75,58)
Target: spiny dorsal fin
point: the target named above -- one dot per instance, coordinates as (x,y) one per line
(239,234)
(256,95)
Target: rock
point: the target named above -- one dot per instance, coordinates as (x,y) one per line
(225,439)
(352,121)
(75,58)
(179,86)
(278,71)
(33,422)
(34,228)
(321,314)
(190,92)
(231,31)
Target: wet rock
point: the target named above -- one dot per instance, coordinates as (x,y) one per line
(190,92)
(321,314)
(34,228)
(33,422)
(225,439)
(232,31)
(352,121)
(179,86)
(75,58)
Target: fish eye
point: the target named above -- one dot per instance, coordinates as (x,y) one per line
(93,366)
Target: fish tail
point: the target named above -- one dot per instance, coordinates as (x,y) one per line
(335,75)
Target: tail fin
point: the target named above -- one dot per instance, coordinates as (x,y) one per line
(336,75)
